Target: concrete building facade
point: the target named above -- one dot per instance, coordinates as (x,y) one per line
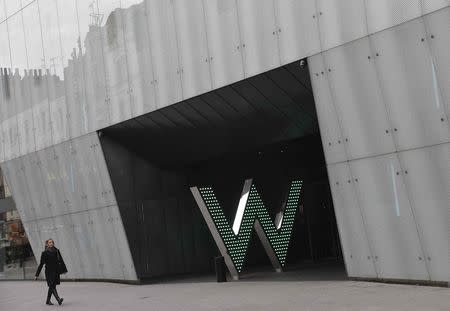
(375,84)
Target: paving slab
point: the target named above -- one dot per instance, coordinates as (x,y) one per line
(205,294)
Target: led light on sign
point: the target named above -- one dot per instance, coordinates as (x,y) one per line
(233,240)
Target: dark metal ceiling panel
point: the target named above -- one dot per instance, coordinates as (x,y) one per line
(301,74)
(173,115)
(300,95)
(161,120)
(191,114)
(257,100)
(147,123)
(281,100)
(221,106)
(236,101)
(206,111)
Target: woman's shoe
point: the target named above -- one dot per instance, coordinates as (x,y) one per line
(60,301)
(49,303)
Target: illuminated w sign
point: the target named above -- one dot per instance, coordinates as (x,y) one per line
(233,241)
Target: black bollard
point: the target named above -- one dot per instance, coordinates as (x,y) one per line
(220,269)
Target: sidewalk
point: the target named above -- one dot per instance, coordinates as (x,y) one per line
(242,295)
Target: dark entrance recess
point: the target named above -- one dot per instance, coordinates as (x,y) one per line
(264,127)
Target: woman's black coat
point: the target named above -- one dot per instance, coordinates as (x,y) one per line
(49,258)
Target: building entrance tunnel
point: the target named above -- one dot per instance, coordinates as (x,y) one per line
(264,128)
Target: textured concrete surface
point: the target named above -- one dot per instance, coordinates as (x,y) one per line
(302,290)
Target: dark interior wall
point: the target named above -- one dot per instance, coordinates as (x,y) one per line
(165,230)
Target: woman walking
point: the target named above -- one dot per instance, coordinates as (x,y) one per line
(54,266)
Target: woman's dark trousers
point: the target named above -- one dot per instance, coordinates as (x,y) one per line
(52,290)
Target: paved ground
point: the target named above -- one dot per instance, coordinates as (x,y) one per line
(302,290)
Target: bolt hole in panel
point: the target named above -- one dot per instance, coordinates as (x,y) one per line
(340,21)
(411,89)
(115,59)
(298,32)
(165,57)
(358,100)
(222,28)
(438,25)
(257,25)
(139,57)
(330,129)
(427,185)
(352,233)
(390,224)
(192,47)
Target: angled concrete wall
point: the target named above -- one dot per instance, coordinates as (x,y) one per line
(64,193)
(383,108)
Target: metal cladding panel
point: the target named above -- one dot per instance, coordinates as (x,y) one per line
(85,74)
(69,250)
(438,37)
(126,260)
(165,54)
(47,229)
(106,197)
(390,223)
(358,99)
(427,179)
(39,86)
(410,86)
(26,132)
(298,30)
(330,130)
(88,172)
(14,175)
(224,42)
(259,35)
(53,68)
(340,21)
(5,90)
(77,66)
(62,191)
(34,179)
(2,145)
(79,170)
(429,6)
(106,243)
(34,237)
(115,59)
(84,235)
(51,180)
(72,176)
(139,57)
(192,47)
(382,14)
(358,256)
(22,87)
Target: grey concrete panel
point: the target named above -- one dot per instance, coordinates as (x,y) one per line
(83,66)
(85,223)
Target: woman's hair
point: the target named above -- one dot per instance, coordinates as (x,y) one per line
(46,242)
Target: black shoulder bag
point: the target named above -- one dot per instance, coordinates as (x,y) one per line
(61,265)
